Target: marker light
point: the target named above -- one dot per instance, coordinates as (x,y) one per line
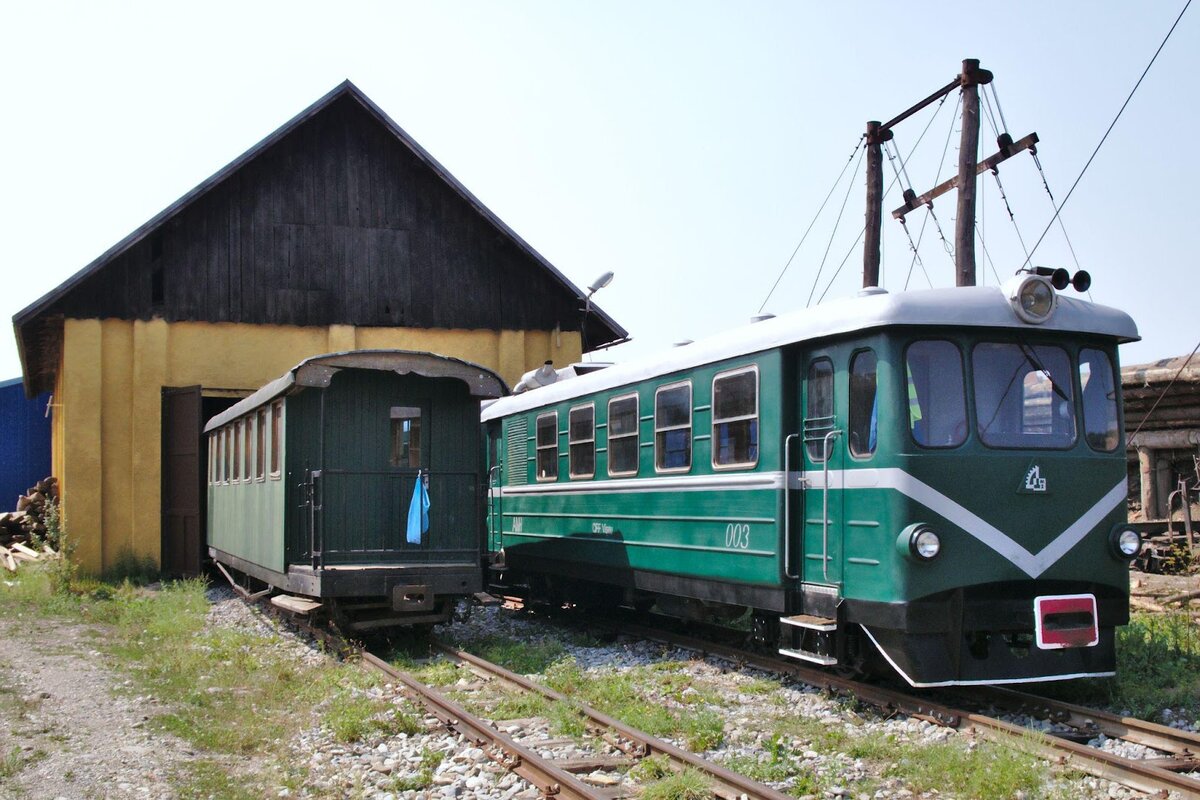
(1126,542)
(1033,299)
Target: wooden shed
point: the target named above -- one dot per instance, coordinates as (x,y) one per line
(337,232)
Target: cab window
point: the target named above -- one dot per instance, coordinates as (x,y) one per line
(1023,395)
(937,408)
(864,404)
(818,403)
(1100,426)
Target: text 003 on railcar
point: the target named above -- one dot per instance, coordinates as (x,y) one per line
(928,482)
(356,480)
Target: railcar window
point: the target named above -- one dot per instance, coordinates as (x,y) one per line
(227,472)
(1100,427)
(237,452)
(735,418)
(212,462)
(818,419)
(673,428)
(547,447)
(581,438)
(1023,395)
(864,404)
(276,438)
(937,406)
(260,448)
(623,445)
(406,437)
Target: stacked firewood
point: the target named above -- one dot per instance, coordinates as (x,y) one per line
(24,534)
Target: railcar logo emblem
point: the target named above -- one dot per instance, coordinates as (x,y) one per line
(1034,483)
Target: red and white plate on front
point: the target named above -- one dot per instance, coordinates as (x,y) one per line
(1065,620)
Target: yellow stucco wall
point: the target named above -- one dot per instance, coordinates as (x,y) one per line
(107,427)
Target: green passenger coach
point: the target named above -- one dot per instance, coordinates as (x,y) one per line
(930,483)
(356,481)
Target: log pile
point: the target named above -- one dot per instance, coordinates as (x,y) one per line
(24,533)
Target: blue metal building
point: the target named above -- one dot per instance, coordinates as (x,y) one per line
(24,441)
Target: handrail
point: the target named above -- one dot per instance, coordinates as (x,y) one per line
(787,505)
(829,437)
(497,509)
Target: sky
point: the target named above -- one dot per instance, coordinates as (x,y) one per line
(684,146)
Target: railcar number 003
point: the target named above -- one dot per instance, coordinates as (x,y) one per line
(737,535)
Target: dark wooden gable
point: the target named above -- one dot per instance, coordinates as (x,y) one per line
(337,217)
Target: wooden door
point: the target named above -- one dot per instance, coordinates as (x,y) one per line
(182,482)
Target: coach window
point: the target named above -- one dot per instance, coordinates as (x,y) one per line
(260,449)
(937,406)
(547,446)
(406,437)
(276,437)
(623,445)
(735,418)
(226,457)
(673,428)
(818,417)
(581,439)
(864,404)
(1099,400)
(247,473)
(237,452)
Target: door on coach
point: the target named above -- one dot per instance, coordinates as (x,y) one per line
(822,435)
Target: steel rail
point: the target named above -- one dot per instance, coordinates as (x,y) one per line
(551,780)
(1151,734)
(1145,777)
(726,783)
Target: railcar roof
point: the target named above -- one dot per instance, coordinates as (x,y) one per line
(318,371)
(960,307)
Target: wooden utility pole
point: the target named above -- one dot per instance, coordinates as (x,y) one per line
(876,136)
(968,161)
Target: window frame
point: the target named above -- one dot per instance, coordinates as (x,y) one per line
(537,448)
(1072,368)
(275,470)
(260,445)
(236,476)
(832,416)
(967,385)
(402,414)
(690,426)
(635,434)
(226,450)
(1114,373)
(248,454)
(854,356)
(756,417)
(571,473)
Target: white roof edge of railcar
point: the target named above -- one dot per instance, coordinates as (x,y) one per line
(959,307)
(487,378)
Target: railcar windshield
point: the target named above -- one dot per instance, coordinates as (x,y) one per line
(1023,395)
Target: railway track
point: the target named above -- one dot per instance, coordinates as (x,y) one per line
(617,747)
(1176,773)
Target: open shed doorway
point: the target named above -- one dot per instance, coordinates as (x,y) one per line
(184,466)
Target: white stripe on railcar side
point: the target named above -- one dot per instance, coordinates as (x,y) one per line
(1033,564)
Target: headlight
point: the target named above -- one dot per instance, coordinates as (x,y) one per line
(1033,299)
(1126,542)
(920,542)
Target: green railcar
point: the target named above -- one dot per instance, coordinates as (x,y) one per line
(926,482)
(311,484)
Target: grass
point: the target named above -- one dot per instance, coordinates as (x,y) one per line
(1158,667)
(423,779)
(686,784)
(635,697)
(523,657)
(233,695)
(11,763)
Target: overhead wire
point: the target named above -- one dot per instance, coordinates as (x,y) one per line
(1104,138)
(833,233)
(833,188)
